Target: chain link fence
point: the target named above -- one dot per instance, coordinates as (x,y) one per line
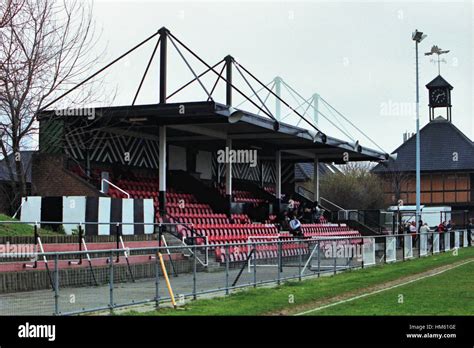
(73,282)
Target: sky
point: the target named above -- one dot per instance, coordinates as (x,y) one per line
(357,55)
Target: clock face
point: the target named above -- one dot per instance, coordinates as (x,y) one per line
(439,97)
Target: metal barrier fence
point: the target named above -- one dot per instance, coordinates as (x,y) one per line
(74,282)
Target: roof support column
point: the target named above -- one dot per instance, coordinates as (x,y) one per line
(228,176)
(162,170)
(316,180)
(277,181)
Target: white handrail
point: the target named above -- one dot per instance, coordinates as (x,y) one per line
(205,264)
(334,204)
(21,205)
(108,182)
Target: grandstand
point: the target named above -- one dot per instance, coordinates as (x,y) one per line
(136,173)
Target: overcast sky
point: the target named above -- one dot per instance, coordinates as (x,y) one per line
(357,55)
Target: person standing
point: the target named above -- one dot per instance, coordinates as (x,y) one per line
(413,232)
(441,230)
(424,230)
(470,227)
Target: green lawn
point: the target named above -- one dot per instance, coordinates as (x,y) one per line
(262,301)
(449,293)
(11,230)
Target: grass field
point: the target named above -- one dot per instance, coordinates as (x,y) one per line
(449,293)
(11,230)
(296,297)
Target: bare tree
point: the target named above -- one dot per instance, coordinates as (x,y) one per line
(8,10)
(45,48)
(397,179)
(359,167)
(355,187)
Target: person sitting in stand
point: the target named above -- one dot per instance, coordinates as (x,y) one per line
(295,226)
(307,216)
(284,220)
(316,211)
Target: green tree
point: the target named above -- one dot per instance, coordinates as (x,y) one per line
(354,188)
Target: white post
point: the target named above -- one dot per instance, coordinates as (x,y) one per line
(228,171)
(316,180)
(162,169)
(278,180)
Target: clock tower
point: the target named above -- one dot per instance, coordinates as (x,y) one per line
(439,96)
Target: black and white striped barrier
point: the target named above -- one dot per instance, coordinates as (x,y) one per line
(105,211)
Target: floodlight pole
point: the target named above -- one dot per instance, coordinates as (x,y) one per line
(418,174)
(417,37)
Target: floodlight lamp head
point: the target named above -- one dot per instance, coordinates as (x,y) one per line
(417,36)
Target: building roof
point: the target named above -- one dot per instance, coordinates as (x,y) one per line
(439,81)
(25,157)
(443,147)
(305,171)
(206,124)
